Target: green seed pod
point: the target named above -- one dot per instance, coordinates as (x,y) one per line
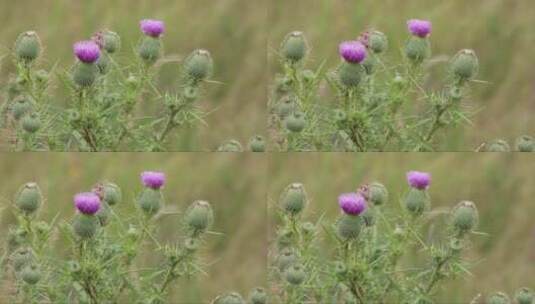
(21,258)
(103,63)
(257,144)
(31,274)
(31,123)
(465,216)
(294,199)
(295,122)
(286,258)
(112,194)
(84,74)
(525,143)
(103,214)
(29,198)
(524,296)
(417,201)
(150,201)
(85,226)
(28,46)
(21,107)
(295,274)
(465,65)
(351,74)
(258,296)
(231,145)
(340,269)
(499,298)
(150,49)
(349,226)
(418,49)
(229,298)
(498,145)
(112,41)
(377,193)
(199,216)
(294,47)
(377,42)
(285,106)
(198,65)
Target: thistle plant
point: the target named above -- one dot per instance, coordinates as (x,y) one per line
(102,110)
(524,143)
(372,103)
(375,251)
(99,255)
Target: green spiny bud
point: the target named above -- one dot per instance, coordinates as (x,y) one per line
(369,217)
(132,81)
(340,268)
(257,144)
(340,116)
(377,193)
(295,274)
(349,226)
(418,49)
(84,74)
(499,298)
(199,216)
(524,296)
(14,89)
(31,274)
(294,47)
(103,63)
(31,123)
(286,258)
(377,42)
(498,145)
(308,228)
(150,49)
(29,198)
(85,226)
(191,244)
(308,76)
(295,122)
(199,65)
(112,41)
(258,296)
(231,145)
(15,238)
(112,194)
(525,143)
(229,298)
(42,228)
(455,94)
(284,238)
(285,106)
(465,216)
(417,201)
(21,107)
(150,200)
(294,199)
(465,65)
(103,214)
(74,267)
(21,257)
(28,46)
(351,74)
(42,76)
(456,245)
(191,93)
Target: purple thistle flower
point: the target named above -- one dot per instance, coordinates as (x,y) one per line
(352,203)
(87,203)
(154,180)
(153,28)
(87,51)
(419,180)
(352,51)
(420,28)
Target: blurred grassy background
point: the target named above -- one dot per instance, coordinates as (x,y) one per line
(500,31)
(232,30)
(501,185)
(235,185)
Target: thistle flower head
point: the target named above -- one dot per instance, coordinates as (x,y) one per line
(352,51)
(87,51)
(151,27)
(352,203)
(419,180)
(154,180)
(420,28)
(87,203)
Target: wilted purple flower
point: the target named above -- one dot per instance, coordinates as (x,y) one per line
(419,180)
(153,28)
(352,51)
(154,180)
(420,28)
(352,203)
(87,51)
(87,203)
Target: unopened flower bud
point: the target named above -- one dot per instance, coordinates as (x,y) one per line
(499,298)
(21,258)
(28,46)
(369,64)
(103,63)
(465,65)
(111,41)
(258,296)
(340,268)
(369,217)
(308,76)
(295,274)
(498,145)
(42,76)
(465,216)
(257,144)
(229,298)
(524,296)
(85,226)
(417,50)
(295,122)
(198,65)
(84,74)
(286,258)
(191,93)
(294,47)
(42,228)
(350,75)
(417,201)
(199,217)
(31,274)
(103,214)
(525,143)
(340,116)
(231,145)
(29,198)
(31,123)
(15,238)
(349,226)
(112,194)
(150,49)
(150,200)
(191,244)
(308,228)
(455,94)
(377,42)
(377,193)
(294,199)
